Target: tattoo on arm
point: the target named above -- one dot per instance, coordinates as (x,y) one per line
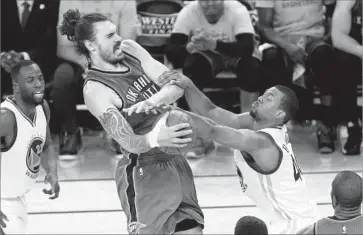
(120,130)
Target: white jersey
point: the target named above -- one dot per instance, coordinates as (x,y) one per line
(281,194)
(20,164)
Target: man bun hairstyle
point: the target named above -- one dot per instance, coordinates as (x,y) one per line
(80,28)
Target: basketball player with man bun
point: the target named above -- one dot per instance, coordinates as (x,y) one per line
(156,189)
(26,144)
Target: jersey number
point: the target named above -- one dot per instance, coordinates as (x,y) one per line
(297,170)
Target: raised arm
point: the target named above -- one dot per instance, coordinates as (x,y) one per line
(255,143)
(202,105)
(155,71)
(101,103)
(342,22)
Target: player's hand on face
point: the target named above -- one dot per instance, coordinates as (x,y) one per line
(142,106)
(3,218)
(55,188)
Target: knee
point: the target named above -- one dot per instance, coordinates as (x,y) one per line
(248,74)
(197,65)
(321,54)
(64,76)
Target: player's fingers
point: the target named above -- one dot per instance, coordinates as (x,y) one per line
(132,110)
(2,224)
(4,217)
(180,126)
(178,145)
(181,141)
(183,133)
(140,108)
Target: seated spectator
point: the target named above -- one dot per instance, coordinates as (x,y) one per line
(67,84)
(346,196)
(210,36)
(347,40)
(28,32)
(250,225)
(295,33)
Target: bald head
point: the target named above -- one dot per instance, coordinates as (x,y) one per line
(347,189)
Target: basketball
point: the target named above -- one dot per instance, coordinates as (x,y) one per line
(176,117)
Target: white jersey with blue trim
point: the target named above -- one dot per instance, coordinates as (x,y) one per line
(281,194)
(20,162)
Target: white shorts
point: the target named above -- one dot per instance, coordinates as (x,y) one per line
(289,226)
(16,211)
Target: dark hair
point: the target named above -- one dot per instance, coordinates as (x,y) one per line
(16,69)
(79,28)
(289,102)
(347,188)
(250,225)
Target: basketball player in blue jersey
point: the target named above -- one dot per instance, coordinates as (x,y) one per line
(156,190)
(266,165)
(26,144)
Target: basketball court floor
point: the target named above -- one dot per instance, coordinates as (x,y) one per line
(88,202)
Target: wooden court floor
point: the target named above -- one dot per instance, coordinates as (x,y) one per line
(88,203)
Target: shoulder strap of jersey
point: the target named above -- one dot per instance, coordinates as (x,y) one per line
(131,60)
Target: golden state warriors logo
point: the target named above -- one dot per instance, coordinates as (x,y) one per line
(33,155)
(134,227)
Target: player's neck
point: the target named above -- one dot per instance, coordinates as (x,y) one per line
(258,125)
(103,65)
(347,213)
(26,108)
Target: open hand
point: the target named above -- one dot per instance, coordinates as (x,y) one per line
(140,107)
(172,136)
(55,188)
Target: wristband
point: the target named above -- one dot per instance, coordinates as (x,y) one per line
(152,136)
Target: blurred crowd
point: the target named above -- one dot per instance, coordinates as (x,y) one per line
(312,46)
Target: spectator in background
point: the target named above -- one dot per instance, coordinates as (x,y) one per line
(295,33)
(67,84)
(250,225)
(347,39)
(346,196)
(28,32)
(214,35)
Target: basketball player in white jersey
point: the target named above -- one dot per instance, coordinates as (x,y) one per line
(266,165)
(25,146)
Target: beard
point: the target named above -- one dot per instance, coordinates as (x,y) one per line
(30,99)
(111,57)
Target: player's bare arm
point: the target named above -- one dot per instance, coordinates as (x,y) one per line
(258,145)
(114,123)
(341,27)
(202,105)
(157,72)
(8,124)
(49,160)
